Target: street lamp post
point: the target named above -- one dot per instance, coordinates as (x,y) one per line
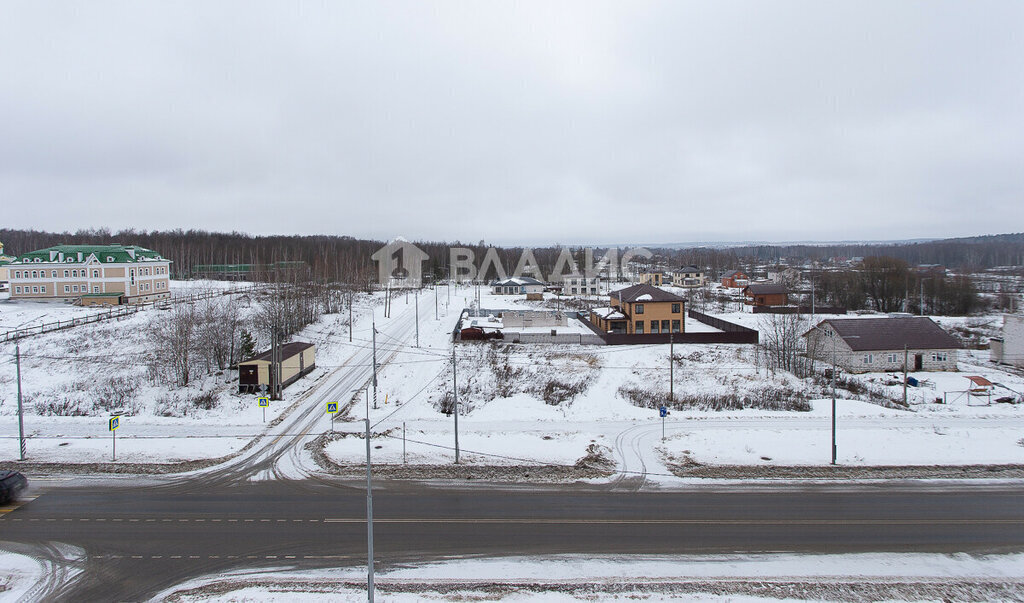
(833,338)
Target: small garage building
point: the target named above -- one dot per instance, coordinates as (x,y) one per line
(297,360)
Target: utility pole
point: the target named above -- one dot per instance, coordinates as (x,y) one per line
(833,400)
(350,317)
(812,294)
(921,313)
(671,371)
(369,516)
(374,365)
(455,397)
(906,357)
(435,300)
(416,302)
(21,412)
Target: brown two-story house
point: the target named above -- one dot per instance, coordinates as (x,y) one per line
(643,309)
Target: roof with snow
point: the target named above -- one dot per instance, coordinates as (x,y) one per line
(871,334)
(765,289)
(105,254)
(647,292)
(517,281)
(608,313)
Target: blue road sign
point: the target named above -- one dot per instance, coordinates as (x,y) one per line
(115,422)
(332,407)
(662,411)
(264,402)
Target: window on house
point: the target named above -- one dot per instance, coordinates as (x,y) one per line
(95,273)
(654,327)
(639,308)
(110,258)
(664,326)
(42,288)
(66,274)
(53,273)
(35,289)
(74,288)
(17,289)
(869,358)
(35,274)
(894,358)
(675,308)
(67,288)
(676,326)
(639,327)
(939,356)
(95,289)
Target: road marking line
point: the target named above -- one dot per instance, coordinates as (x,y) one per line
(838,521)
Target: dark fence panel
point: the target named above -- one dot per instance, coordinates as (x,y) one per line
(797,310)
(733,333)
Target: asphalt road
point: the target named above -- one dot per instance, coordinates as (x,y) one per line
(142,539)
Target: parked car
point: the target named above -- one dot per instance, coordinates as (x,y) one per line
(12,484)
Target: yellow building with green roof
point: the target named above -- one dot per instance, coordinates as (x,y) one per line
(112,273)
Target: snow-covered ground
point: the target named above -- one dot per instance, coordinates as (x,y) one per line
(506,421)
(520,404)
(594,577)
(75,367)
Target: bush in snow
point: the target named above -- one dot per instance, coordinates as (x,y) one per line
(765,398)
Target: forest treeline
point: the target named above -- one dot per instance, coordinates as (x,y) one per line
(348,259)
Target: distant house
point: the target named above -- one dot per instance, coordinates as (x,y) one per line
(297,359)
(644,309)
(656,279)
(735,279)
(766,294)
(114,272)
(865,345)
(4,261)
(1009,349)
(576,284)
(517,285)
(689,276)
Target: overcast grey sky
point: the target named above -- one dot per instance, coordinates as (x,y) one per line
(516,121)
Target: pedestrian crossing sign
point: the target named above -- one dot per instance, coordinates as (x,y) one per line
(332,407)
(264,402)
(115,422)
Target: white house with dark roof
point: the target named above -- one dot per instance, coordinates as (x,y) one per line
(689,276)
(116,273)
(1009,349)
(517,285)
(864,345)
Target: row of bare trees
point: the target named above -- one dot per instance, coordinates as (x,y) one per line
(195,338)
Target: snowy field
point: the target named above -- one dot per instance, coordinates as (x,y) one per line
(560,578)
(554,404)
(519,404)
(75,368)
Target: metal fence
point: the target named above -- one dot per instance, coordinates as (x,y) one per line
(116,313)
(797,310)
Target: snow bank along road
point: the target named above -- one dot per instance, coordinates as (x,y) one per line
(138,540)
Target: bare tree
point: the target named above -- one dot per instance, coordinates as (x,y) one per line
(176,339)
(783,342)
